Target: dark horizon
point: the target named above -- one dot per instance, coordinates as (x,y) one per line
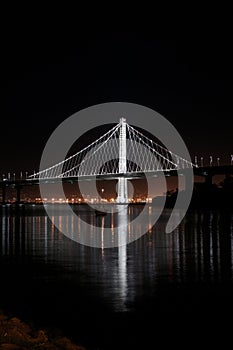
(188,79)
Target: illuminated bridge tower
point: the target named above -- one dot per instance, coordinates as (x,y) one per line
(122,188)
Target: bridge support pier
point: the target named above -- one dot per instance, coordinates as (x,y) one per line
(18,193)
(122,188)
(3,195)
(122,197)
(208,179)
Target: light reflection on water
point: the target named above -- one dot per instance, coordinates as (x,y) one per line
(200,249)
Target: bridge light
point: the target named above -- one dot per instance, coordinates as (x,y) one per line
(211,160)
(195,161)
(218,161)
(231,159)
(202,162)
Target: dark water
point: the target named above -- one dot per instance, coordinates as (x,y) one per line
(158,288)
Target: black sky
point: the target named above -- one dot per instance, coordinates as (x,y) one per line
(186,76)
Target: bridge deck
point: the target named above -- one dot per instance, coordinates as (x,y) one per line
(204,171)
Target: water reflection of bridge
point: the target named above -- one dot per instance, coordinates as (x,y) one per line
(199,250)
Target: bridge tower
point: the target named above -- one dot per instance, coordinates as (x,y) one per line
(122,186)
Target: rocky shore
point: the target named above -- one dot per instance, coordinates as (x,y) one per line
(17,335)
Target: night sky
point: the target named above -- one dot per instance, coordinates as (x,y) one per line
(186,76)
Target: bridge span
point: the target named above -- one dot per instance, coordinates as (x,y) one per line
(123,153)
(205,172)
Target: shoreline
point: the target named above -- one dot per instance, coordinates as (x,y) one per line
(16,334)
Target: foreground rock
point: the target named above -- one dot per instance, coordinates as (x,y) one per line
(17,335)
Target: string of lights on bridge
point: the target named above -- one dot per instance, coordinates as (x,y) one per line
(198,161)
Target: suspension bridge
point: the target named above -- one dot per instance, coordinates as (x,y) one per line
(122,153)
